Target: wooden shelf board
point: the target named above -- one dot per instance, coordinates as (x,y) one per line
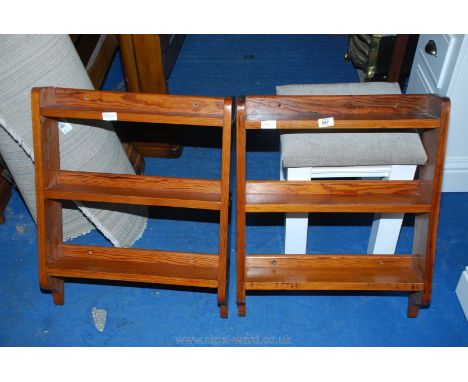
(332,272)
(128,116)
(136,265)
(136,107)
(335,203)
(335,196)
(354,107)
(134,189)
(342,121)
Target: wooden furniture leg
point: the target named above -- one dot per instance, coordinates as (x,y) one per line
(398,55)
(58,261)
(96,52)
(414,300)
(144,69)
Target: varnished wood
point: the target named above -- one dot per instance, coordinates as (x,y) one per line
(129,264)
(158,150)
(49,212)
(58,290)
(130,116)
(147,61)
(277,261)
(223,310)
(398,55)
(224,209)
(135,189)
(436,169)
(335,203)
(143,103)
(414,301)
(335,196)
(334,187)
(101,59)
(143,65)
(331,272)
(412,273)
(241,309)
(361,107)
(343,121)
(138,255)
(127,52)
(139,107)
(356,112)
(96,53)
(135,157)
(240,206)
(58,261)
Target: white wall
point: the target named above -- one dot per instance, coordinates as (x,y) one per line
(456,159)
(453,83)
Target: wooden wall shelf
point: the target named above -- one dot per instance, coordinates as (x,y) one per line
(58,261)
(412,273)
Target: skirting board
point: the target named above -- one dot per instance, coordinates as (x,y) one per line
(455,174)
(462,291)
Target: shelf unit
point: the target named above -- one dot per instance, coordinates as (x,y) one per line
(411,272)
(57,260)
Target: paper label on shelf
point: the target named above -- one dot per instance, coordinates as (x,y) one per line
(109,116)
(326,122)
(268,125)
(65,127)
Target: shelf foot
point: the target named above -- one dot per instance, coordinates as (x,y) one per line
(58,290)
(241,311)
(414,301)
(223,310)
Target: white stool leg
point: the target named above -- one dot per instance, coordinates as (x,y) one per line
(386,227)
(296,222)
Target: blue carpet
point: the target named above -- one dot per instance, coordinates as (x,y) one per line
(145,315)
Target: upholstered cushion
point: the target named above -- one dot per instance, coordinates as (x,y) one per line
(322,149)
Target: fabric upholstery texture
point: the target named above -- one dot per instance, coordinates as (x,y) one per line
(28,61)
(353,148)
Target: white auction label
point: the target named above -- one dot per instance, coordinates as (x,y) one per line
(65,127)
(268,125)
(109,116)
(326,122)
